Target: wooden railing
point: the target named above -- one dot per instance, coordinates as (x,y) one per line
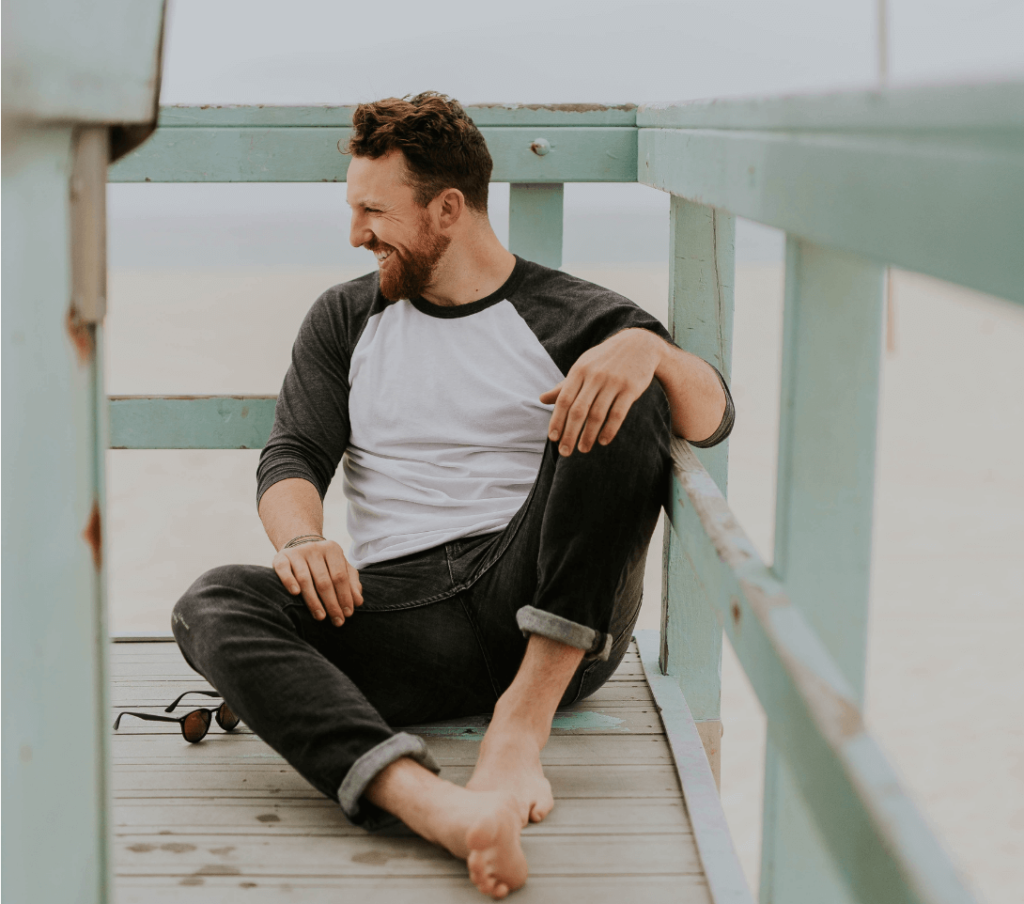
(931,180)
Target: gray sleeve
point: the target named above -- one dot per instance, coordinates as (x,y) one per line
(311,423)
(728,418)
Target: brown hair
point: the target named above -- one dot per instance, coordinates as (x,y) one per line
(442,146)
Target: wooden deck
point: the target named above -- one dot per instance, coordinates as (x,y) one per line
(227,819)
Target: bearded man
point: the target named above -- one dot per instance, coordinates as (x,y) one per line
(504,431)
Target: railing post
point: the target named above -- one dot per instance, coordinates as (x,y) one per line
(54,632)
(702,265)
(535,222)
(830,374)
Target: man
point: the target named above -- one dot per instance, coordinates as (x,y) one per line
(504,430)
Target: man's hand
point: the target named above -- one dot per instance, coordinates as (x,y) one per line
(592,401)
(324,577)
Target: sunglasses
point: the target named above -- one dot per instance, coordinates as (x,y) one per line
(194,725)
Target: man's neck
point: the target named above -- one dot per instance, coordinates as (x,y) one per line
(475,265)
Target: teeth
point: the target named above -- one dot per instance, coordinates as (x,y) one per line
(382,255)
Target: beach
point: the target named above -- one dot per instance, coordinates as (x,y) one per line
(945,682)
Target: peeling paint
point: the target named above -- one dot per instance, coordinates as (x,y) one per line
(82,336)
(556,108)
(93,535)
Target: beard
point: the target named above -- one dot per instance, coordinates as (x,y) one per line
(407,274)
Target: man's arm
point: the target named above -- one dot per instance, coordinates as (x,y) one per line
(317,569)
(592,401)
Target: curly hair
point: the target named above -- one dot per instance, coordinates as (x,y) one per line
(442,146)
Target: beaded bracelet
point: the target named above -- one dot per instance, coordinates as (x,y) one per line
(305,538)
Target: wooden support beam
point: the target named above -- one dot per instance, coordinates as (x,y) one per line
(832,339)
(927,179)
(535,222)
(55,710)
(702,242)
(261,153)
(881,845)
(191,422)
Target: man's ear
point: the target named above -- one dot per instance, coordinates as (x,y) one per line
(451,206)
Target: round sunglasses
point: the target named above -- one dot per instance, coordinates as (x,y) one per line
(194,725)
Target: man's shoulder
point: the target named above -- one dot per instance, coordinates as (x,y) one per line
(553,285)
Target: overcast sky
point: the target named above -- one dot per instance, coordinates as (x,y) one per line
(325,51)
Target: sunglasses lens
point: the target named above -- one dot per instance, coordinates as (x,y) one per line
(226,719)
(196,725)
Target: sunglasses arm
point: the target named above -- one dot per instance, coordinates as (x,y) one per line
(170,709)
(149,717)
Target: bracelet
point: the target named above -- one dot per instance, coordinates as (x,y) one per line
(305,538)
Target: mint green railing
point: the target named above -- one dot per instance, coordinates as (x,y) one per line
(927,179)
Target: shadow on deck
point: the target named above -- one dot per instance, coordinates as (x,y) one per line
(228,819)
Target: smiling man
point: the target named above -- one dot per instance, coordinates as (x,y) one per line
(504,432)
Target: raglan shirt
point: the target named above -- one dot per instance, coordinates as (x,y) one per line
(435,410)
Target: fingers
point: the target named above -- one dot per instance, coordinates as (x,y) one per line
(324,589)
(616,416)
(284,571)
(579,413)
(301,571)
(595,419)
(329,585)
(567,393)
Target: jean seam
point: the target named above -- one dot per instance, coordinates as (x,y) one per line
(480,645)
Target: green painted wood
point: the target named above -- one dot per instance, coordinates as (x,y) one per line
(875,835)
(535,222)
(74,62)
(941,108)
(54,789)
(832,339)
(951,207)
(311,154)
(490,115)
(710,829)
(191,422)
(702,267)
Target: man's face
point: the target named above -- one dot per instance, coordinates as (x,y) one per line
(387,221)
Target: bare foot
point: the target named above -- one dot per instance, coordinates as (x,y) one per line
(479,827)
(509,762)
(483,829)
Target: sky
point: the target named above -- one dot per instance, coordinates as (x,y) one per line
(532,51)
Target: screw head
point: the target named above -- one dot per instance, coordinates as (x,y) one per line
(540,147)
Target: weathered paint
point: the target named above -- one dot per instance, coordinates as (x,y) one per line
(832,338)
(81,61)
(701,243)
(75,75)
(700,787)
(191,422)
(991,107)
(53,666)
(314,154)
(881,846)
(474,729)
(490,115)
(949,207)
(535,222)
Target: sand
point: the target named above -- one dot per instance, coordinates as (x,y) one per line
(945,692)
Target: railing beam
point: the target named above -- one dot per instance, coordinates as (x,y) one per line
(55,757)
(702,267)
(535,213)
(832,337)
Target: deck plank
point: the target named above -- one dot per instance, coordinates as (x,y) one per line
(197,823)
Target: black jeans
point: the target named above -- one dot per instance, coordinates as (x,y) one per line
(441,633)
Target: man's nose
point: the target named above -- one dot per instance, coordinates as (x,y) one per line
(360,232)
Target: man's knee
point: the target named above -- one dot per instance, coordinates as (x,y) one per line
(215,599)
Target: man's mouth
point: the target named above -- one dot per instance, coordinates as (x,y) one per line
(383,255)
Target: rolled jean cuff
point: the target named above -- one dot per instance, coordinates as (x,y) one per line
(370,764)
(595,644)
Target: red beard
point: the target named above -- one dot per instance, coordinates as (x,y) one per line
(406,275)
